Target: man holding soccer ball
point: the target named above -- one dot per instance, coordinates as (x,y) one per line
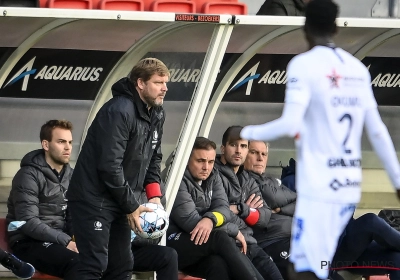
(147,254)
(119,160)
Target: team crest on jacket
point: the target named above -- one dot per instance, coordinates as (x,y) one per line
(98,225)
(159,115)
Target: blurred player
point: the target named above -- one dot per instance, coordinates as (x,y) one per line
(328,101)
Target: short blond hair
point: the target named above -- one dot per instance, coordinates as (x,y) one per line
(146,68)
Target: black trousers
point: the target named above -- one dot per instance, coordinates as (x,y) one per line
(361,232)
(50,258)
(263,262)
(103,238)
(279,252)
(161,259)
(369,241)
(218,259)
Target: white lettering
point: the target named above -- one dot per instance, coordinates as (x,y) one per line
(376,80)
(185,76)
(264,79)
(273,77)
(96,74)
(194,77)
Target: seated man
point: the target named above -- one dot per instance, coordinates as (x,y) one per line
(148,256)
(199,227)
(368,241)
(19,268)
(37,197)
(275,240)
(280,198)
(244,196)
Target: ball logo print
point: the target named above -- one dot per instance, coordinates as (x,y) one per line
(154,224)
(98,225)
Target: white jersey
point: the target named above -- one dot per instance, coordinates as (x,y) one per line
(335,89)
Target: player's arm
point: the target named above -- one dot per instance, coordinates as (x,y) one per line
(380,139)
(297,97)
(255,217)
(219,211)
(152,182)
(184,212)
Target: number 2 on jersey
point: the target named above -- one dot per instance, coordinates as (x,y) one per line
(344,117)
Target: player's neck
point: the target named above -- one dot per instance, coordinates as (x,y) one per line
(322,41)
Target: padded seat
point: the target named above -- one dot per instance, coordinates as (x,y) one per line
(174,6)
(226,7)
(70,4)
(123,5)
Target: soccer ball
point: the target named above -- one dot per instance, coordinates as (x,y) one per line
(154,224)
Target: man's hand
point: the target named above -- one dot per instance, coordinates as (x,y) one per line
(72,246)
(241,239)
(255,201)
(234,209)
(202,231)
(156,200)
(276,210)
(133,218)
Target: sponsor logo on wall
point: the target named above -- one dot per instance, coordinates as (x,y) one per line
(59,74)
(79,74)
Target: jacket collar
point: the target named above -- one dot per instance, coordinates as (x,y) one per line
(140,105)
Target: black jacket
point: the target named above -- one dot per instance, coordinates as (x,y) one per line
(37,197)
(194,202)
(239,187)
(283,8)
(276,194)
(121,153)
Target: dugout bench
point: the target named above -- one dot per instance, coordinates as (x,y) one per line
(138,275)
(39,275)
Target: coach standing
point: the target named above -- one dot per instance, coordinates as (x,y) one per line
(120,158)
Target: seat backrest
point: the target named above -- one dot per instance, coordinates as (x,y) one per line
(224,8)
(3,235)
(70,4)
(200,3)
(125,5)
(174,6)
(43,4)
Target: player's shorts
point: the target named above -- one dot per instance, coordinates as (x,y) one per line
(316,229)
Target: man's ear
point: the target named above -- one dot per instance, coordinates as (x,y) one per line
(222,149)
(140,83)
(45,145)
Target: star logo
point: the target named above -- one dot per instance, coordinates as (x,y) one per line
(334,78)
